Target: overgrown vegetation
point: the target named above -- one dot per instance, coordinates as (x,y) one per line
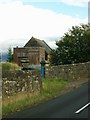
(50,89)
(9,66)
(73,47)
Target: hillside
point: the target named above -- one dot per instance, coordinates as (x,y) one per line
(4,57)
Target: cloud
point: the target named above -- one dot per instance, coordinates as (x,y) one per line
(18,23)
(80,3)
(89,12)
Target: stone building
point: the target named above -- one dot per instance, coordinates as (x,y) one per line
(32,53)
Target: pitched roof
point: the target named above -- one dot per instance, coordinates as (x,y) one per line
(34,42)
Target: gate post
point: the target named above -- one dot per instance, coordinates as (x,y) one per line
(43,68)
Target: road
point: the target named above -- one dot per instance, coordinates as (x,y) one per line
(74,104)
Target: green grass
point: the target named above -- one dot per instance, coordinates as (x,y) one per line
(50,89)
(9,66)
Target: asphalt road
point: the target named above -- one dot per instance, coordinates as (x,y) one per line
(63,106)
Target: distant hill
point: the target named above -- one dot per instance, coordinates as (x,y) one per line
(4,57)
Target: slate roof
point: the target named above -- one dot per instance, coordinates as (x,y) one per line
(34,42)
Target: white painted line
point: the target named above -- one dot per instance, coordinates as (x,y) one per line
(78,111)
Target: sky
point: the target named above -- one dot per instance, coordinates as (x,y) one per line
(43,19)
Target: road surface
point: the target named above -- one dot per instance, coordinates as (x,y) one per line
(74,104)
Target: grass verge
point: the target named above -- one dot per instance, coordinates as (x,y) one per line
(50,89)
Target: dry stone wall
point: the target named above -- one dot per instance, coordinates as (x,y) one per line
(18,81)
(80,71)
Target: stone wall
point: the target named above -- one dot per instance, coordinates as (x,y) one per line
(18,81)
(80,71)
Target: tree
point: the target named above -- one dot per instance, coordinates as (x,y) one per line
(74,46)
(54,57)
(10,55)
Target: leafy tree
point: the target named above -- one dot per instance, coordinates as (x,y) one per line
(74,46)
(10,55)
(54,57)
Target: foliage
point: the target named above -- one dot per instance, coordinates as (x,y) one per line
(9,66)
(74,46)
(10,55)
(54,57)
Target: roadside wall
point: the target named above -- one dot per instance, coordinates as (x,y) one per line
(18,81)
(80,71)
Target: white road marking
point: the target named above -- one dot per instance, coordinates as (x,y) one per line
(78,111)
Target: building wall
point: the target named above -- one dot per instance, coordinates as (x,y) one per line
(42,55)
(33,55)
